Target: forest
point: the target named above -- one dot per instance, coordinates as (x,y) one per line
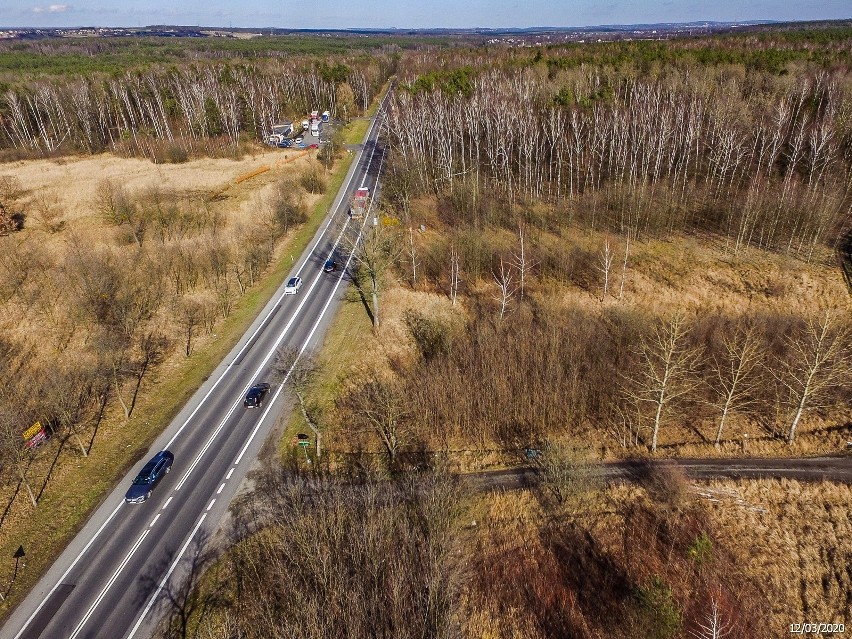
(586,252)
(168,112)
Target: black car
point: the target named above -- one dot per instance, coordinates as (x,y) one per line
(329,265)
(148,478)
(254,398)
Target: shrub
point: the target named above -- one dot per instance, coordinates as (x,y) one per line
(701,550)
(432,336)
(659,616)
(313,181)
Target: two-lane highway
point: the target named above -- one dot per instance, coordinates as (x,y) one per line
(109,581)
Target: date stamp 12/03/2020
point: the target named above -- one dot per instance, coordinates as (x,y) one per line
(816,628)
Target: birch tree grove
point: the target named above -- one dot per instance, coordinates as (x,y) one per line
(639,155)
(188,104)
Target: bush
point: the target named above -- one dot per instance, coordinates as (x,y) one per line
(288,210)
(701,550)
(313,181)
(659,616)
(432,336)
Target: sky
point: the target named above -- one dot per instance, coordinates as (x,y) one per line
(402,14)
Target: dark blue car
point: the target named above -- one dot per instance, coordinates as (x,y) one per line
(148,478)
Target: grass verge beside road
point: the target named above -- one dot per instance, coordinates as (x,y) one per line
(342,347)
(80,484)
(355,131)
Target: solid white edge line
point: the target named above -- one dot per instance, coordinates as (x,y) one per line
(147,609)
(304,345)
(67,572)
(108,585)
(163,581)
(272,352)
(273,307)
(263,364)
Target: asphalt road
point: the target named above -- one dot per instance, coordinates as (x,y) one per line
(109,581)
(834,468)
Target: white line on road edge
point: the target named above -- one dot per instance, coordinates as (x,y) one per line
(166,578)
(272,352)
(70,568)
(259,328)
(180,430)
(162,583)
(304,346)
(108,585)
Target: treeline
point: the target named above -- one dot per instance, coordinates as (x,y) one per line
(22,61)
(761,159)
(622,377)
(189,107)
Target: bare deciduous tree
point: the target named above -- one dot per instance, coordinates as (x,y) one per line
(506,288)
(378,249)
(606,257)
(665,370)
(522,261)
(116,207)
(378,406)
(624,267)
(714,624)
(12,449)
(735,371)
(190,314)
(298,370)
(454,274)
(412,254)
(566,476)
(819,360)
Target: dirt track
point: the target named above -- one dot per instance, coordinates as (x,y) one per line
(811,469)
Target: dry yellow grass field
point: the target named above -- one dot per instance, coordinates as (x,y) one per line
(793,538)
(42,316)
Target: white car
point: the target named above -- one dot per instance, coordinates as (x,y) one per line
(299,140)
(293,286)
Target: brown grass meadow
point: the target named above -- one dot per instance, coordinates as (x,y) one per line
(50,331)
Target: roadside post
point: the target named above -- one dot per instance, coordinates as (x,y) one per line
(19,554)
(303,442)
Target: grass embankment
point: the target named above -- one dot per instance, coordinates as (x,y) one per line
(342,349)
(77,487)
(355,131)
